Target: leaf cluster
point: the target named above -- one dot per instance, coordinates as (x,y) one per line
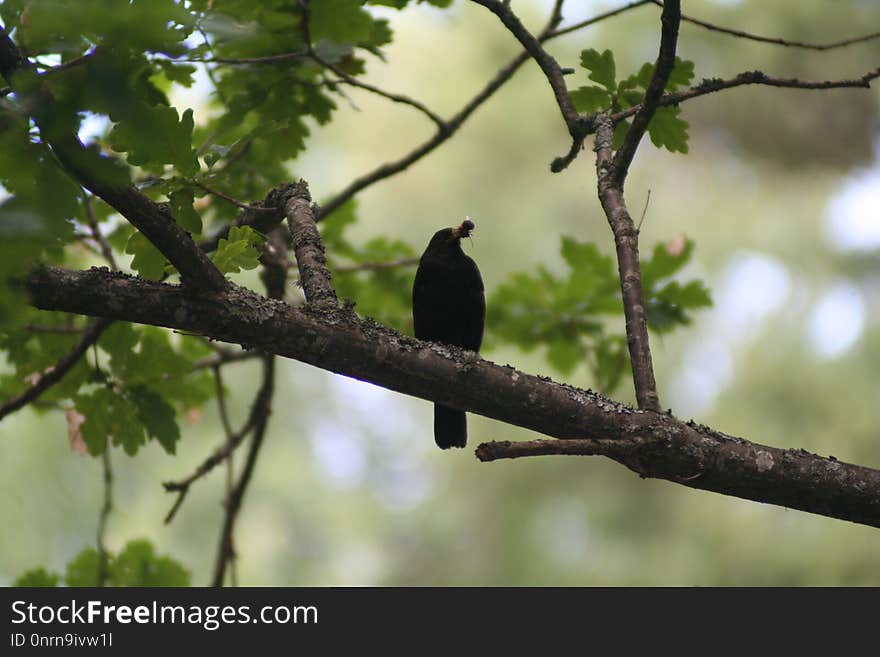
(666,129)
(567,315)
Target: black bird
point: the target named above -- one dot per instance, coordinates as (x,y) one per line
(449,307)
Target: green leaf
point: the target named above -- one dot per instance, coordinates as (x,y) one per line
(109,414)
(82,570)
(384,294)
(681,75)
(154,25)
(139,565)
(666,260)
(590,99)
(669,131)
(620,131)
(120,235)
(39,201)
(180,73)
(153,136)
(668,302)
(612,361)
(629,98)
(238,251)
(333,228)
(342,21)
(166,367)
(38,577)
(560,312)
(148,260)
(601,67)
(182,206)
(218,152)
(565,355)
(157,416)
(119,340)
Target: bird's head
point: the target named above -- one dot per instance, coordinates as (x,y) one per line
(464,230)
(446,238)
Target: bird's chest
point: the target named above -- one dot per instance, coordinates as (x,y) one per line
(446,280)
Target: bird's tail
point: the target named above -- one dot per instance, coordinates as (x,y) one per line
(450,427)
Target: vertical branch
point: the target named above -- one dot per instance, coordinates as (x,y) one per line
(307,246)
(106,508)
(103,244)
(611,169)
(230,447)
(669,20)
(274,276)
(626,242)
(261,410)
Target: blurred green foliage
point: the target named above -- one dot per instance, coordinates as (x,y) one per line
(136,565)
(350,490)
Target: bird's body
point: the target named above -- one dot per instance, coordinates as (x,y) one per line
(449,307)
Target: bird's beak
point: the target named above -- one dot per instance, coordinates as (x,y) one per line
(464,230)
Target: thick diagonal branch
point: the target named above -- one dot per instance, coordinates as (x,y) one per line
(336,340)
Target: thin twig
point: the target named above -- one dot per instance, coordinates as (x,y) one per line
(230,199)
(550,67)
(227,492)
(644,212)
(223,357)
(221,405)
(209,71)
(230,465)
(106,508)
(261,411)
(236,61)
(712,85)
(60,330)
(82,59)
(397,98)
(670,20)
(774,40)
(394,167)
(103,244)
(373,266)
(504,74)
(595,19)
(181,487)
